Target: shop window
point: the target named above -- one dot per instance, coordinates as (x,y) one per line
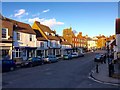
(5,53)
(17,53)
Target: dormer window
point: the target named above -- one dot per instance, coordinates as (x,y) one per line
(4,33)
(52,34)
(46,33)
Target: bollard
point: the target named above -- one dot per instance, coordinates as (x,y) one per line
(97,68)
(110,70)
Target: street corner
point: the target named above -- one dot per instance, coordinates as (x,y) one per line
(104,79)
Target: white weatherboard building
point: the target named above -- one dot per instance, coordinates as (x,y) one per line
(6,41)
(24,37)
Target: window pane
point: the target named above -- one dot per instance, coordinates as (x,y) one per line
(30,37)
(4,32)
(18,36)
(16,54)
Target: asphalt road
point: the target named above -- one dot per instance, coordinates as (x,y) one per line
(63,74)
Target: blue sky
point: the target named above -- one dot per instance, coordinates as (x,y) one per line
(91,18)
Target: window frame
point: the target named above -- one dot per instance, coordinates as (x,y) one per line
(6,33)
(30,37)
(19,35)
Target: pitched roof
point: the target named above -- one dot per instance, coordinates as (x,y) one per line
(39,36)
(63,41)
(48,30)
(114,42)
(22,27)
(9,26)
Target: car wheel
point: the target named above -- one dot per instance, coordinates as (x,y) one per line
(12,68)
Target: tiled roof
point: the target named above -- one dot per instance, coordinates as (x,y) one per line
(41,39)
(114,42)
(53,38)
(9,25)
(65,43)
(39,35)
(48,30)
(22,27)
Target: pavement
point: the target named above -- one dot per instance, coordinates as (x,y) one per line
(103,75)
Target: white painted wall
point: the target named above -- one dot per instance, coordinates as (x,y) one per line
(66,46)
(24,40)
(54,42)
(38,43)
(91,44)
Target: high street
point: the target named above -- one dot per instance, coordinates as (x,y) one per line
(63,74)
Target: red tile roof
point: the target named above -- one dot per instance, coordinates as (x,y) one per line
(22,27)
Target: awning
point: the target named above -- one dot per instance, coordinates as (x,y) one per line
(68,49)
(41,48)
(28,48)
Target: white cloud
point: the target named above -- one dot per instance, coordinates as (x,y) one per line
(20,13)
(51,22)
(48,22)
(31,20)
(44,11)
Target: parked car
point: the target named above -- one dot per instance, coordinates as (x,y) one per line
(98,58)
(81,52)
(50,59)
(74,54)
(34,61)
(67,56)
(7,65)
(81,55)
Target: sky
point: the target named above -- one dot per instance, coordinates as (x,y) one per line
(90,18)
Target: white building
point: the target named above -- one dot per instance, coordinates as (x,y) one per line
(65,46)
(53,43)
(24,37)
(92,44)
(6,38)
